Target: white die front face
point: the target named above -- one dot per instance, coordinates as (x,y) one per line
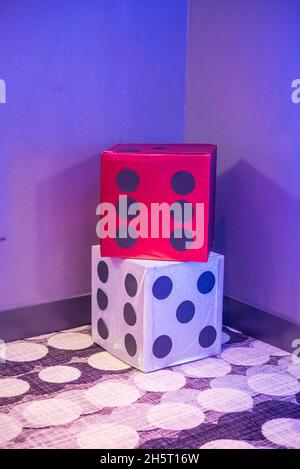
(118,307)
(183,312)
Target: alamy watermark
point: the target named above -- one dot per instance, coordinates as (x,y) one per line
(129,219)
(295,96)
(296,347)
(2,91)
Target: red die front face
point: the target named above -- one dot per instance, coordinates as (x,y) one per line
(159,174)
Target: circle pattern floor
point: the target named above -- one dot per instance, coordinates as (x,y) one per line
(62,391)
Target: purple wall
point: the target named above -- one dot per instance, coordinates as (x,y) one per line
(243,57)
(80,75)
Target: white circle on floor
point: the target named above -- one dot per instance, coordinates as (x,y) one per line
(227,444)
(285,362)
(175,416)
(45,438)
(134,416)
(276,384)
(24,351)
(106,361)
(77,395)
(234,330)
(268,349)
(283,432)
(294,370)
(70,341)
(184,395)
(295,358)
(50,412)
(9,428)
(206,368)
(10,387)
(265,369)
(112,394)
(245,356)
(225,400)
(225,337)
(160,381)
(59,374)
(97,436)
(233,382)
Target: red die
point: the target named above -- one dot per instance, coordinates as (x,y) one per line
(151,182)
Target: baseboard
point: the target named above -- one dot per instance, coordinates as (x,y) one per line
(260,324)
(74,312)
(44,318)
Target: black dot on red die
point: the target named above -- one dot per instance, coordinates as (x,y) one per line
(130,285)
(180,237)
(129,314)
(102,299)
(123,208)
(126,237)
(183,183)
(207,336)
(182,211)
(102,329)
(162,346)
(130,344)
(127,180)
(103,271)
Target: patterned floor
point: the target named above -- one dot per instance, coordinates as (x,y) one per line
(61,391)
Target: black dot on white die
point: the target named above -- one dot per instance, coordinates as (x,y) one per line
(162,346)
(102,329)
(130,344)
(182,211)
(162,287)
(207,336)
(127,180)
(122,211)
(185,311)
(183,183)
(126,237)
(180,237)
(206,282)
(129,314)
(103,271)
(130,285)
(102,299)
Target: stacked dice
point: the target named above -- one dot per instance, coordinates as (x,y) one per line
(157,292)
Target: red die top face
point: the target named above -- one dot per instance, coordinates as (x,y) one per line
(159,174)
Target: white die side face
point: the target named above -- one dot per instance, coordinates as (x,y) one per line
(183,312)
(118,307)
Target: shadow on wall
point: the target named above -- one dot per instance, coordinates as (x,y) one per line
(258,230)
(67,229)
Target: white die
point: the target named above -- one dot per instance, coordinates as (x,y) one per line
(153,314)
